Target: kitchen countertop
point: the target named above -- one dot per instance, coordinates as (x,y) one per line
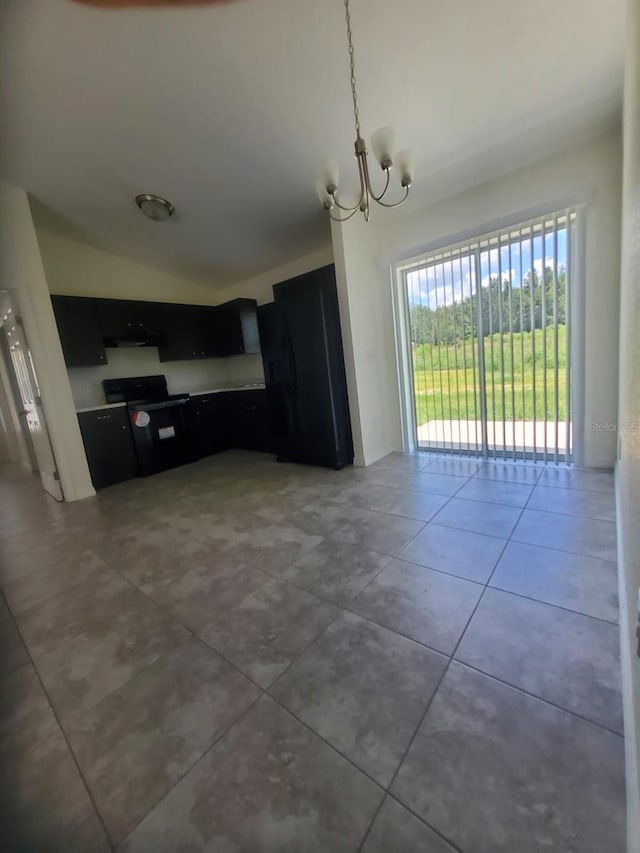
(254,387)
(97,408)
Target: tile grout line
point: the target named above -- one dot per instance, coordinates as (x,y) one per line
(438,686)
(62,731)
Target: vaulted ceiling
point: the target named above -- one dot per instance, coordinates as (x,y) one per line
(230,109)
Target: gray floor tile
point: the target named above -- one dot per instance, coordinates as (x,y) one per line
(404,502)
(577,478)
(91,604)
(496,491)
(574,502)
(45,806)
(479,517)
(12,650)
(568,659)
(269,785)
(496,770)
(208,588)
(587,536)
(136,743)
(419,481)
(363,689)
(37,587)
(335,570)
(264,632)
(377,531)
(428,606)
(451,466)
(396,830)
(458,552)
(105,653)
(584,584)
(509,472)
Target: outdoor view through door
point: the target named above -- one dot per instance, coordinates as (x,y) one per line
(490,341)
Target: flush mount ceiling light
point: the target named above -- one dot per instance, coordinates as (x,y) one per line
(382,144)
(154,206)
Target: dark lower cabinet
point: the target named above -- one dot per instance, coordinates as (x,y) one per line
(250,421)
(108,443)
(210,424)
(230,419)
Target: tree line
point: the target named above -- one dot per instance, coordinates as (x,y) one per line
(504,309)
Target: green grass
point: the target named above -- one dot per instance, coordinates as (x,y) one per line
(443,374)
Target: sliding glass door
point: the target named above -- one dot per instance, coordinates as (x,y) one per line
(489,335)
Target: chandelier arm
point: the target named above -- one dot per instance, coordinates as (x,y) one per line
(395,203)
(343,207)
(343,218)
(386,187)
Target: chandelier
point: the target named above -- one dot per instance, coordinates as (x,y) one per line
(382,144)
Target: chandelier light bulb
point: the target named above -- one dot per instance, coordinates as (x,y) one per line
(406,167)
(382,146)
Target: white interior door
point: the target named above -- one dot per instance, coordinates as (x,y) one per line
(30,407)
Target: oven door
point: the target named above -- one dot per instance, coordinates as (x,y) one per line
(161,435)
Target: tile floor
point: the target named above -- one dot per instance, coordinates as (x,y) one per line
(245,657)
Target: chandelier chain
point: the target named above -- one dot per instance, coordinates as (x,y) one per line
(352,67)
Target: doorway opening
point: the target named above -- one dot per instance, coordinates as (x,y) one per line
(26,400)
(488,334)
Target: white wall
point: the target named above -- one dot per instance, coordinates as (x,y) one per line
(22,273)
(628,467)
(589,173)
(364,296)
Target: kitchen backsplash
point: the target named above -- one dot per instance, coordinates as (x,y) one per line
(187,376)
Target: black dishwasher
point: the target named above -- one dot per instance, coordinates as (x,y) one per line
(159,421)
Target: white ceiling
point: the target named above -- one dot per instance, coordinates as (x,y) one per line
(230,110)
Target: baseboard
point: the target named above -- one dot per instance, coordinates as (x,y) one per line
(629,700)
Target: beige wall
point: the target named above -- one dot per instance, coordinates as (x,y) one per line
(590,174)
(628,466)
(22,273)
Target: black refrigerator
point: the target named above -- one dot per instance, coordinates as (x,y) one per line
(304,371)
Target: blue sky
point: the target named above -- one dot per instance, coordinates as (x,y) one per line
(443,283)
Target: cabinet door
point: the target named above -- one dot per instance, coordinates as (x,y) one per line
(79,328)
(183,334)
(108,443)
(122,317)
(237,327)
(211,423)
(250,421)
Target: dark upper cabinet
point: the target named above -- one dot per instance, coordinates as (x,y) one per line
(126,320)
(108,443)
(196,331)
(80,332)
(191,332)
(180,332)
(237,328)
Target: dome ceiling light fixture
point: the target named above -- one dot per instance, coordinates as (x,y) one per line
(382,144)
(154,206)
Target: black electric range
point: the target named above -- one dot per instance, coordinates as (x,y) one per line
(159,421)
